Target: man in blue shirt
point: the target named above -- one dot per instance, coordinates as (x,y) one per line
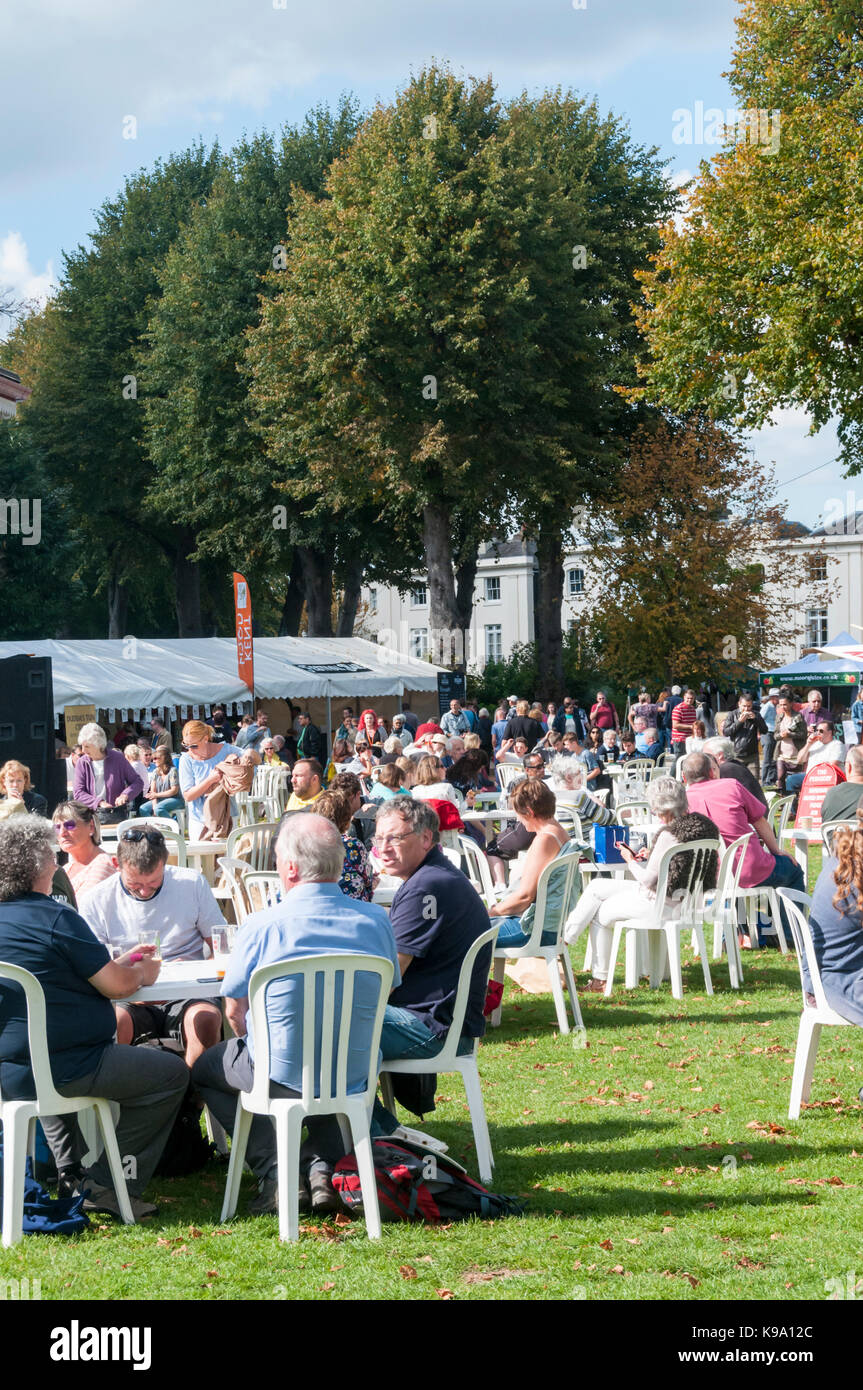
(313,919)
(856,713)
(435,916)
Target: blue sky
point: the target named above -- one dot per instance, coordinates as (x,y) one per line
(73,73)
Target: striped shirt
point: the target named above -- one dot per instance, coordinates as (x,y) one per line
(683,718)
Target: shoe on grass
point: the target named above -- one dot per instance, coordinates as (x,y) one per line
(324,1196)
(104,1199)
(266,1203)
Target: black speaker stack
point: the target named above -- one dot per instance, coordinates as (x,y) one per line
(27,723)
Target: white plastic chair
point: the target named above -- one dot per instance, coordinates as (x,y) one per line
(259,838)
(450,1059)
(451,853)
(563,866)
(507,773)
(670,918)
(779,815)
(231,886)
(635,813)
(263,888)
(828,830)
(720,907)
(812,1019)
(332,1099)
(478,870)
(18,1117)
(169,828)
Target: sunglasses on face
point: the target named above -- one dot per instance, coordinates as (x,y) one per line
(67,825)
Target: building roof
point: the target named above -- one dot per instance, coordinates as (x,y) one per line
(11,386)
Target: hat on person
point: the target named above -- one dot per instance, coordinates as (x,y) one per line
(675,690)
(440,738)
(772,691)
(430,728)
(513,699)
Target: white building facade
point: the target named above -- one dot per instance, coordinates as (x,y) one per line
(504,596)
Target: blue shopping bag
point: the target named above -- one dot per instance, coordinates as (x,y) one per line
(606,839)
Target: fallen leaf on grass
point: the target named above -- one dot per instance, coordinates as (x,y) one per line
(327,1288)
(194,1233)
(445,1293)
(618,1269)
(606,1245)
(407,1272)
(648,1086)
(485,1276)
(425,1260)
(632,1240)
(212,1274)
(745,1263)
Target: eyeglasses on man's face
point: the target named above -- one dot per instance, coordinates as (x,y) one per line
(384,841)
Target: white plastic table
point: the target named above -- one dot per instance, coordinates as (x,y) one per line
(800,841)
(183,979)
(202,855)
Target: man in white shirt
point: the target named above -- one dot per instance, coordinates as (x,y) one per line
(820,747)
(178,906)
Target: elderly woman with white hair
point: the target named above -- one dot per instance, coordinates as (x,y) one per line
(610,900)
(104,780)
(567,780)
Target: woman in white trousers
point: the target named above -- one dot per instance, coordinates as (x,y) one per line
(610,900)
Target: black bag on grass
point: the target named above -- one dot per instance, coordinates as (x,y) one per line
(417,1184)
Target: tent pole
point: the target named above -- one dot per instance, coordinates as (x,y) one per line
(329,718)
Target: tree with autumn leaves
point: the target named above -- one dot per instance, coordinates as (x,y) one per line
(688,574)
(756,300)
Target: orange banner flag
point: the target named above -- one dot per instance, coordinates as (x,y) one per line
(245,649)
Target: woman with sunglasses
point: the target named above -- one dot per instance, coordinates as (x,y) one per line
(78,835)
(198,776)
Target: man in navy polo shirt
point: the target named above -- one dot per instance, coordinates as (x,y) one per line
(436,916)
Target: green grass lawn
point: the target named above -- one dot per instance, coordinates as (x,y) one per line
(658,1162)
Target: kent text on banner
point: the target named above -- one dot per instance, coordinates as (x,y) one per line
(245,649)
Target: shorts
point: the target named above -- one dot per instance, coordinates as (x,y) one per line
(161,1020)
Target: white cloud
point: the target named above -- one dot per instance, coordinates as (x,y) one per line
(79,69)
(17,276)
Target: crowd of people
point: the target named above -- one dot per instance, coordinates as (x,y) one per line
(94,923)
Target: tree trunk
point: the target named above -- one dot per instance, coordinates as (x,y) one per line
(318,584)
(549,636)
(292,609)
(445,643)
(118,606)
(187,588)
(350,599)
(465,581)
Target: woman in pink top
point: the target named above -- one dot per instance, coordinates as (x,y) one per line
(78,834)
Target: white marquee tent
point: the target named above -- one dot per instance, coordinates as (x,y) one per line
(134,675)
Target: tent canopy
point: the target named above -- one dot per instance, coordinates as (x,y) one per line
(134,673)
(834,664)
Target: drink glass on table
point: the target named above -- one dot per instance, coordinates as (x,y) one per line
(150,938)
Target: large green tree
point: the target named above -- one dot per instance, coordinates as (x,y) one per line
(756,300)
(435,352)
(207,460)
(85,412)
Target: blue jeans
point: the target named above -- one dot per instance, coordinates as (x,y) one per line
(510,934)
(793,783)
(163,807)
(787,873)
(402,1036)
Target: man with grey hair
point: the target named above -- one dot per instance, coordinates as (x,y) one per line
(721,750)
(841,801)
(435,916)
(314,918)
(79,980)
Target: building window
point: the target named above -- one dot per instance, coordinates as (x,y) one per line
(373,600)
(817,569)
(419,597)
(816,627)
(419,642)
(492,590)
(576,582)
(493,642)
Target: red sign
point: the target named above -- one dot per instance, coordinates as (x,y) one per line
(816,784)
(245,649)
